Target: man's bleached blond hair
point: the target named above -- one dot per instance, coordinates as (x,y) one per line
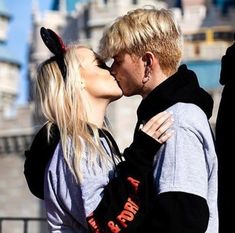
(142,30)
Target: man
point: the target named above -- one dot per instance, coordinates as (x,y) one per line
(146,45)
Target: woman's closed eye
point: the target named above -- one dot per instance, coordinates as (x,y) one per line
(102,65)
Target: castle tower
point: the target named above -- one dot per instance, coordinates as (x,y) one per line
(11,123)
(9,67)
(57,18)
(15,137)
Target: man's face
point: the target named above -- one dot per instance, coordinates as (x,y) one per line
(129,72)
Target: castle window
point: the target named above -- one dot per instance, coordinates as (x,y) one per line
(195,37)
(199,36)
(223,35)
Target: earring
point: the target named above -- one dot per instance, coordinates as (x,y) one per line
(82,85)
(147,75)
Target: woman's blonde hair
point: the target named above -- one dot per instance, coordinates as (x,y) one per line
(63,104)
(143,30)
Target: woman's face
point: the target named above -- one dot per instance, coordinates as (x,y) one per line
(97,80)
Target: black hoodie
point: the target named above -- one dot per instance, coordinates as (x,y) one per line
(183,87)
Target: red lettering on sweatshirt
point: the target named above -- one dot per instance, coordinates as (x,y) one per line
(131,206)
(114,228)
(93,225)
(135,183)
(128,214)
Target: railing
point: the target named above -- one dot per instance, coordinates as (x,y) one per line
(24,220)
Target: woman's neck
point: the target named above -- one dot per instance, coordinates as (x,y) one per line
(96,110)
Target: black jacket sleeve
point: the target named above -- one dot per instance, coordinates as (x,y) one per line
(177,212)
(127,198)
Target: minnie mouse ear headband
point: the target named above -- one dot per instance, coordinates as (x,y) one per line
(55,44)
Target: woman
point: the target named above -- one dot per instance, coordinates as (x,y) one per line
(75,90)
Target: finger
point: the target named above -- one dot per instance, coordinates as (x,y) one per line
(156,121)
(164,127)
(159,118)
(165,136)
(157,129)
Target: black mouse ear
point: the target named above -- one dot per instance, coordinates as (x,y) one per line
(56,45)
(53,42)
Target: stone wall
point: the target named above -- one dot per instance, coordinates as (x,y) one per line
(16,134)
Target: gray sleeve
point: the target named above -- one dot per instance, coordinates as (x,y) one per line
(63,202)
(185,162)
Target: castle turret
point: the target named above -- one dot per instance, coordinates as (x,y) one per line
(15,131)
(9,66)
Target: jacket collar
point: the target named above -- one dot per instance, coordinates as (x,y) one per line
(183,87)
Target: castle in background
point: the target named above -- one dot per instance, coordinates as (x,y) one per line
(208,26)
(9,84)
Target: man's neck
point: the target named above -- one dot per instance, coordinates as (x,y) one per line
(154,81)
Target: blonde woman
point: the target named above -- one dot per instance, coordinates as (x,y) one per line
(85,164)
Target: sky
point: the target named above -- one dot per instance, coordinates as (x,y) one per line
(18,37)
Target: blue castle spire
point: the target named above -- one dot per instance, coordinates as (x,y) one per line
(69,4)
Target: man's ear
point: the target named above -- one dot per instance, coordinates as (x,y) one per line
(148,59)
(148,62)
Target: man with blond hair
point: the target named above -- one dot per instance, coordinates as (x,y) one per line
(147,45)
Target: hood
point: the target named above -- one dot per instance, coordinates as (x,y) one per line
(37,157)
(41,152)
(183,87)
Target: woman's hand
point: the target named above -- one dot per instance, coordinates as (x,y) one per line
(158,127)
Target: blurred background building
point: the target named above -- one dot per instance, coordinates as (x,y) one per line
(208,27)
